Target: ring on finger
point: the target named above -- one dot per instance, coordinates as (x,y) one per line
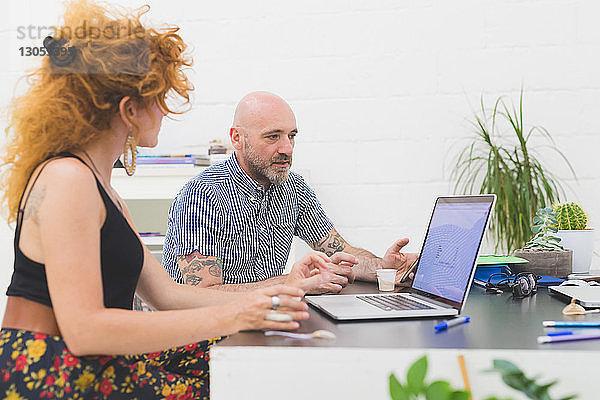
(275,301)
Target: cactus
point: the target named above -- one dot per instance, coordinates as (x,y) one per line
(570,216)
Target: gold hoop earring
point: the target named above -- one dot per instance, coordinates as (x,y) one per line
(129,154)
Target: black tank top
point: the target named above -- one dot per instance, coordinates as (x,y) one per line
(121,253)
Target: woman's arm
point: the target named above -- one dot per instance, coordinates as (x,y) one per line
(70,216)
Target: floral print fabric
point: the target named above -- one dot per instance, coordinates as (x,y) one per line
(34,365)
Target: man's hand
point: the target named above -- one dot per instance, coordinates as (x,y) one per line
(316,273)
(393,258)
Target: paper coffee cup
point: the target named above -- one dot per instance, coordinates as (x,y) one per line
(386,279)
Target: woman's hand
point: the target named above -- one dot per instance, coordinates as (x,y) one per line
(251,310)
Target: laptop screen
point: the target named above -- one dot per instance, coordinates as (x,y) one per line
(451,245)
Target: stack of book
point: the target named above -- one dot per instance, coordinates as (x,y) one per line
(174,160)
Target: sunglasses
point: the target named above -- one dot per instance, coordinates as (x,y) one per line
(521,285)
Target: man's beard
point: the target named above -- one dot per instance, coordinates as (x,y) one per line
(265,168)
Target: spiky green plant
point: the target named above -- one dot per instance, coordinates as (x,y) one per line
(504,164)
(544,226)
(570,216)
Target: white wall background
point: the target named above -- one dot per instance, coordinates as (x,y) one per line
(383,90)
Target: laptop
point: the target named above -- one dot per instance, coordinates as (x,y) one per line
(586,293)
(443,275)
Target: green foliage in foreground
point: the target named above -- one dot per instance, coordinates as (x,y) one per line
(516,379)
(415,386)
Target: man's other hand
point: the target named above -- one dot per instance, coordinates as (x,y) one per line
(393,258)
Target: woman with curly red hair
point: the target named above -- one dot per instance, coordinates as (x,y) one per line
(69,329)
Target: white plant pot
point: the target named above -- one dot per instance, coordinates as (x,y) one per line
(582,244)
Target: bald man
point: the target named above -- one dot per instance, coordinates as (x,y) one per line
(231,227)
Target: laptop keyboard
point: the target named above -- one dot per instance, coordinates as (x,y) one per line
(394,303)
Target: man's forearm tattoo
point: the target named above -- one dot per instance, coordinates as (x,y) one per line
(196,268)
(330,244)
(35,199)
(192,280)
(215,270)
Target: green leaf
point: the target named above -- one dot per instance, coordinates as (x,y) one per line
(460,395)
(438,390)
(542,389)
(397,391)
(505,366)
(415,376)
(515,381)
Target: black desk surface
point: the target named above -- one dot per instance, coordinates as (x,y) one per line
(497,322)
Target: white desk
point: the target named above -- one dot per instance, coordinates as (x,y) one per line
(357,364)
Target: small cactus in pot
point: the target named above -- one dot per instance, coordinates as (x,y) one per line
(570,216)
(571,222)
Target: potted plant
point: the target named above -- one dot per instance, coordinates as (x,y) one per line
(544,252)
(574,234)
(417,388)
(499,160)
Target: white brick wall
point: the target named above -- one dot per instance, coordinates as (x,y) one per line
(383,90)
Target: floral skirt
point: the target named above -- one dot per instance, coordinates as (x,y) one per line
(34,365)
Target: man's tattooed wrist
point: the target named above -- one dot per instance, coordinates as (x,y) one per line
(330,244)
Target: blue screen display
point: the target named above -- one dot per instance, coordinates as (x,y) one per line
(450,248)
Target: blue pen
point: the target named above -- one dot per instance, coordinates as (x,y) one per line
(567,338)
(559,333)
(563,324)
(452,322)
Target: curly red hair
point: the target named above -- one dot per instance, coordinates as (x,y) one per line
(69,106)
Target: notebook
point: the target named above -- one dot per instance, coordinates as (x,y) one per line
(443,275)
(586,293)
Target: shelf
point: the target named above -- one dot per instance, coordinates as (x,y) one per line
(153,240)
(153,182)
(158,170)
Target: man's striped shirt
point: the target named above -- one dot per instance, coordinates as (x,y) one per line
(223,212)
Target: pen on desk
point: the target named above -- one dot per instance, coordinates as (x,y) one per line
(451,322)
(567,338)
(559,333)
(564,324)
